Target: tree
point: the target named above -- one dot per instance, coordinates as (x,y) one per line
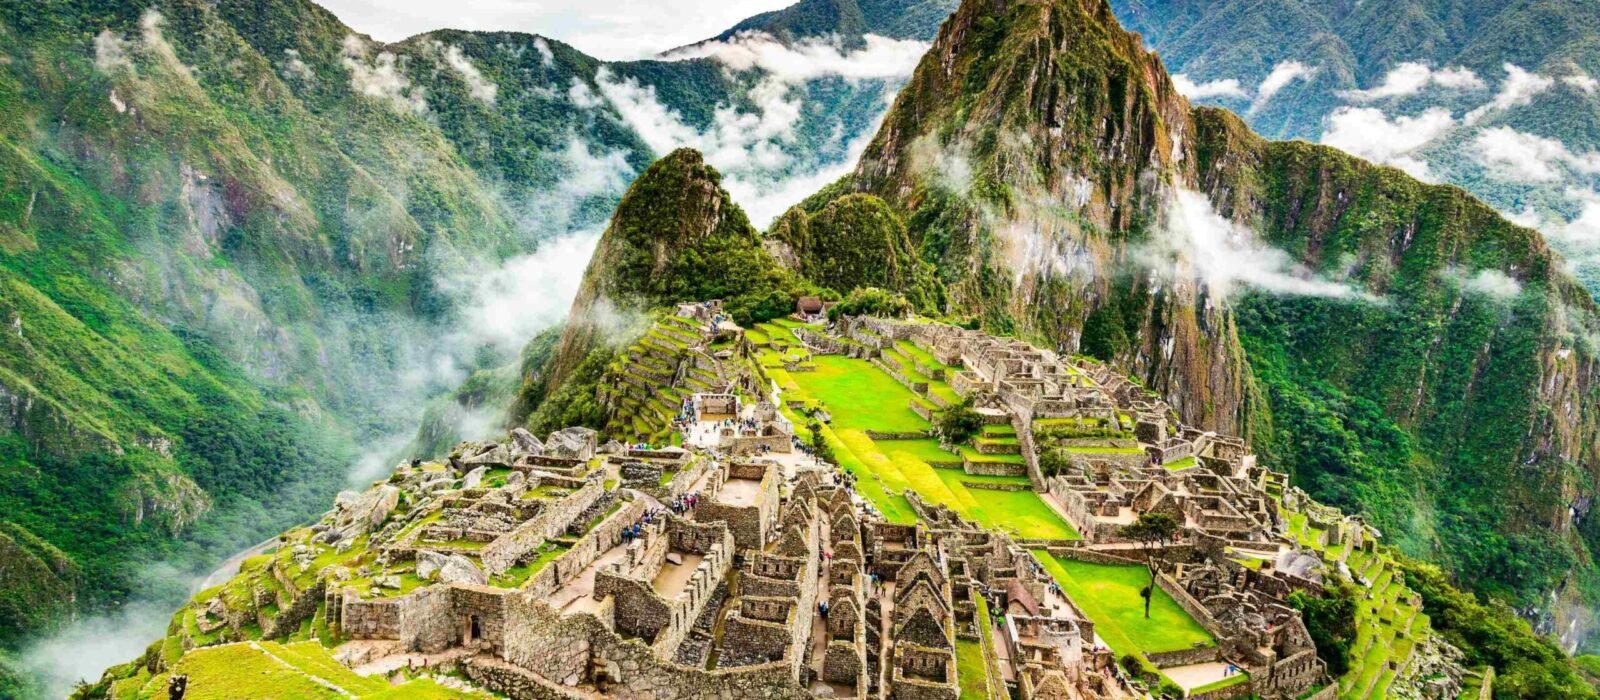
(960,422)
(819,446)
(1054,461)
(1153,531)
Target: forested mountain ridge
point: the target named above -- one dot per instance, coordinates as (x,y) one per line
(1499,97)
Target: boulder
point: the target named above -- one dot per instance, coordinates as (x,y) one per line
(475,478)
(526,442)
(515,478)
(449,568)
(493,456)
(359,513)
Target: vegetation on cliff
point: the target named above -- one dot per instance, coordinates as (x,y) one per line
(858,241)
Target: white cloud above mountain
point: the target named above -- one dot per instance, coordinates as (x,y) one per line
(1368,133)
(1411,78)
(1521,157)
(1282,75)
(880,58)
(1227,87)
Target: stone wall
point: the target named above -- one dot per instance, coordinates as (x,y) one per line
(578,649)
(427,622)
(1237,690)
(505,552)
(369,619)
(586,550)
(1184,657)
(994,468)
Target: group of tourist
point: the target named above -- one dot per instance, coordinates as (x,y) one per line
(684,504)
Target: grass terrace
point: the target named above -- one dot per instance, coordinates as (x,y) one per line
(298,670)
(860,397)
(1109,595)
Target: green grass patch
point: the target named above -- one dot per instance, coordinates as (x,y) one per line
(1109,595)
(858,395)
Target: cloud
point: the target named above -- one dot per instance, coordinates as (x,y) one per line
(1584,82)
(1281,76)
(1513,155)
(1228,87)
(1519,88)
(380,78)
(481,88)
(1492,283)
(295,66)
(1227,257)
(582,97)
(1529,217)
(87,646)
(880,58)
(506,305)
(546,56)
(1369,133)
(1583,231)
(1412,77)
(110,52)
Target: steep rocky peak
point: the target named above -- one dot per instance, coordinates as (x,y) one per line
(1048,99)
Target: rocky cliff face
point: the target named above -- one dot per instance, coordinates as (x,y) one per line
(1374,335)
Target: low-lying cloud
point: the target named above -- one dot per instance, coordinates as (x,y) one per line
(758,150)
(881,58)
(1281,76)
(380,77)
(1368,133)
(1411,78)
(1492,283)
(481,88)
(1226,87)
(1227,257)
(1521,157)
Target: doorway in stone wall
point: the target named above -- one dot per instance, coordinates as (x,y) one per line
(471,630)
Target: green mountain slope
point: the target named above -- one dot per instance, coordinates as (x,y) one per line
(1527,86)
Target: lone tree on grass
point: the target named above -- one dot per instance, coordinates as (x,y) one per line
(1153,531)
(960,422)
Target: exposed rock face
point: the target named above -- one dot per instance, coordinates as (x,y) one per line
(1037,155)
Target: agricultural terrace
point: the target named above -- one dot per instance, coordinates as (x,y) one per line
(860,398)
(1388,620)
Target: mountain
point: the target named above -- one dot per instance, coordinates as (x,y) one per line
(1498,97)
(1398,347)
(849,20)
(243,247)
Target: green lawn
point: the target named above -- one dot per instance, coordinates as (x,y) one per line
(927,450)
(860,396)
(970,672)
(1109,595)
(854,392)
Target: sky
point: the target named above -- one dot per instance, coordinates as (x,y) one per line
(608,29)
